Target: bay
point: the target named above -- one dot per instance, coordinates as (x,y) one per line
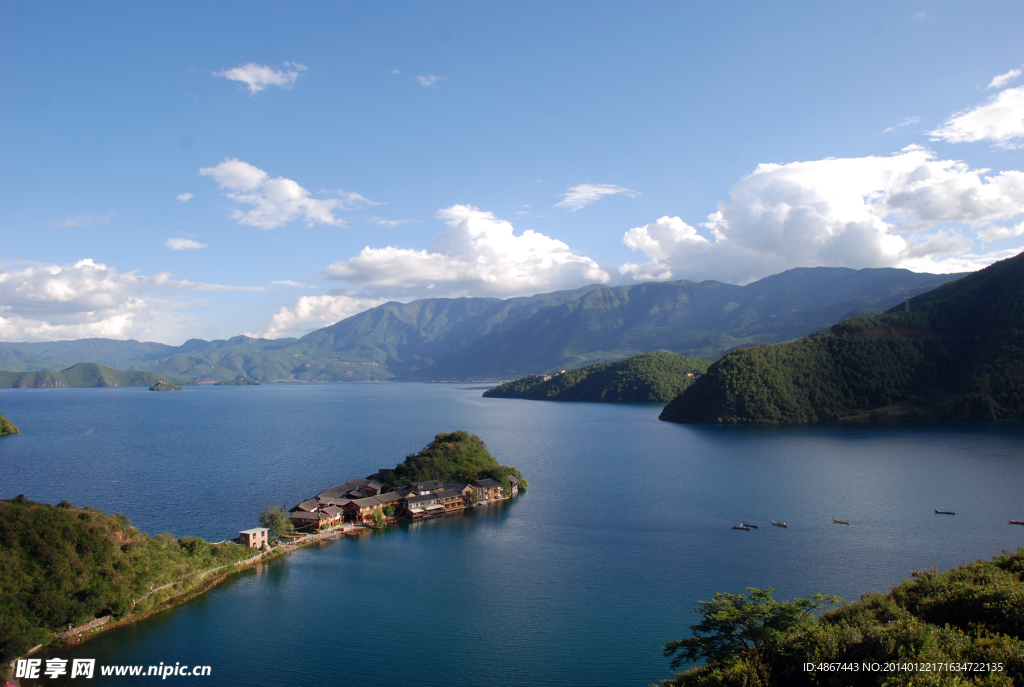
(625,526)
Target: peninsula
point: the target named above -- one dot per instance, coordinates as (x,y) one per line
(452,473)
(646,378)
(7,427)
(954,353)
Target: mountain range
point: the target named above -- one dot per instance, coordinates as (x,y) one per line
(442,339)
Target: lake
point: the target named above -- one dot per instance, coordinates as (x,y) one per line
(625,526)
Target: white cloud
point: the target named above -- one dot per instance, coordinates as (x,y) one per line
(906,122)
(1003,79)
(275,201)
(44,302)
(313,312)
(184,244)
(82,220)
(581,196)
(1000,120)
(429,81)
(259,76)
(904,210)
(477,255)
(920,15)
(185,197)
(388,222)
(294,284)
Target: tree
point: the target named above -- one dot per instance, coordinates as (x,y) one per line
(378,517)
(389,510)
(739,629)
(275,519)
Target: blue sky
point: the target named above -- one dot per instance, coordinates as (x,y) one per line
(208,169)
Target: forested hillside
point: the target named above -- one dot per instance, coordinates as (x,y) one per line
(971,614)
(63,565)
(455,457)
(646,378)
(487,338)
(958,355)
(82,375)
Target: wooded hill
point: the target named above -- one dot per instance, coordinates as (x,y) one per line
(454,457)
(969,614)
(83,375)
(646,378)
(957,355)
(7,427)
(62,565)
(487,338)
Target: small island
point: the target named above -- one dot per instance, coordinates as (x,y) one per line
(164,386)
(452,473)
(7,427)
(240,381)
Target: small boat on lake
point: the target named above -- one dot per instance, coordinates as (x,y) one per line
(741,527)
(1015,522)
(749,524)
(944,512)
(779,524)
(841,522)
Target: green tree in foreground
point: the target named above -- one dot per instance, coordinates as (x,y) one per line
(378,517)
(740,635)
(275,519)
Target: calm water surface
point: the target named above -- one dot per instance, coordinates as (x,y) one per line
(580,581)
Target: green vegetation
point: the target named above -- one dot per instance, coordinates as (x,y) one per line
(81,375)
(7,427)
(957,355)
(456,457)
(62,565)
(164,386)
(275,519)
(972,613)
(487,338)
(241,381)
(645,378)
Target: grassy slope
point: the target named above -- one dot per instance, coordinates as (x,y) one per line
(972,613)
(645,378)
(61,565)
(82,375)
(958,354)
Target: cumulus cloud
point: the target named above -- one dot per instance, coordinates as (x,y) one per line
(275,201)
(185,197)
(477,255)
(313,312)
(430,81)
(904,210)
(1003,79)
(44,302)
(581,196)
(184,244)
(258,76)
(1000,120)
(82,220)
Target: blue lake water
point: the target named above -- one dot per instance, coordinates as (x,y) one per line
(579,581)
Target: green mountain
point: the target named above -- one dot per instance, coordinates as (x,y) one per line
(65,565)
(958,354)
(81,375)
(914,635)
(485,338)
(7,427)
(646,378)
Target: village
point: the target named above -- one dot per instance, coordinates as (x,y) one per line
(367,502)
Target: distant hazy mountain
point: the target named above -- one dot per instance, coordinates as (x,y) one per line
(82,375)
(486,338)
(958,354)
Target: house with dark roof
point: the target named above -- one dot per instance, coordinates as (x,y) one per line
(361,510)
(488,489)
(308,522)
